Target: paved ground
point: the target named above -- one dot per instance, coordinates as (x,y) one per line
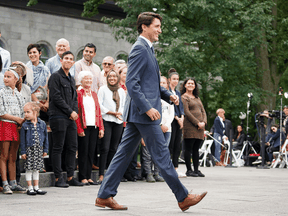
(231,191)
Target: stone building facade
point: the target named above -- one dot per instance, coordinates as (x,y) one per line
(20,27)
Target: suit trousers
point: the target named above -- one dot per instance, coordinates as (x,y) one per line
(64,133)
(155,142)
(86,150)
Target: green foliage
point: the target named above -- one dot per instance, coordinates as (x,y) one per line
(213,41)
(32,2)
(91,7)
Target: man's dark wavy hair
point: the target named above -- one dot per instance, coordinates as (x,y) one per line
(67,53)
(146,18)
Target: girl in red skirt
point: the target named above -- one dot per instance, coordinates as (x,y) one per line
(11,117)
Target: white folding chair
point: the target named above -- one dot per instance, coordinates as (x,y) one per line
(236,157)
(205,150)
(282,157)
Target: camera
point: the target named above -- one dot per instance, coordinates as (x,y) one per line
(276,114)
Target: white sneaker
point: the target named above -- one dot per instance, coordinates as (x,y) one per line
(181,175)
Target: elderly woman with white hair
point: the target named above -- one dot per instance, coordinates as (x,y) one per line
(89,126)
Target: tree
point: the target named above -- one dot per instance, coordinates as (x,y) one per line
(231,47)
(213,41)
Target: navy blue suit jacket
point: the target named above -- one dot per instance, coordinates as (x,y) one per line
(143,85)
(218,126)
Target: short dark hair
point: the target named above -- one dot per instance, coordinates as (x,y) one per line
(195,91)
(67,53)
(31,46)
(146,18)
(90,45)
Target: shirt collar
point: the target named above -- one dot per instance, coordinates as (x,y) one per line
(148,41)
(86,62)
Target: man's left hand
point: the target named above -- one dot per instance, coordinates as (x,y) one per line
(174,99)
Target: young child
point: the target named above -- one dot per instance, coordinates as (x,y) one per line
(11,117)
(34,146)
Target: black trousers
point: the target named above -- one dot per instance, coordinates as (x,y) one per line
(192,147)
(86,149)
(147,162)
(64,133)
(175,142)
(110,142)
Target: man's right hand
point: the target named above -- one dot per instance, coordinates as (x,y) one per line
(74,116)
(153,114)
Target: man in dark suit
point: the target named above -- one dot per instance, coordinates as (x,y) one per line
(143,115)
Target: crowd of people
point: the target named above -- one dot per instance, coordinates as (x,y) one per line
(79,108)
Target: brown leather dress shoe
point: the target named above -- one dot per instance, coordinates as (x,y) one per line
(191,200)
(110,203)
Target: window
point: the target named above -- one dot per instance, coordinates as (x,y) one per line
(79,54)
(45,53)
(123,56)
(46,50)
(2,44)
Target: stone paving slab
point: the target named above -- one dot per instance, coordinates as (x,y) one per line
(231,191)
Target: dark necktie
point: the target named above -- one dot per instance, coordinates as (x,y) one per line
(152,48)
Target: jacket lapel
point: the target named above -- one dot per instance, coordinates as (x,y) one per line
(154,60)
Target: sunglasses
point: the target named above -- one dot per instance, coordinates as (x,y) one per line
(109,64)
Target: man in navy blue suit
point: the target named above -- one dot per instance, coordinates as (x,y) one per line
(143,115)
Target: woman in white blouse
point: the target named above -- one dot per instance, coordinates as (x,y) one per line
(111,99)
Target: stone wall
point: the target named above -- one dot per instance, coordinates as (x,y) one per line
(19,28)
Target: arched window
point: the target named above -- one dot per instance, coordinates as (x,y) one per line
(46,50)
(2,44)
(123,56)
(79,54)
(45,53)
